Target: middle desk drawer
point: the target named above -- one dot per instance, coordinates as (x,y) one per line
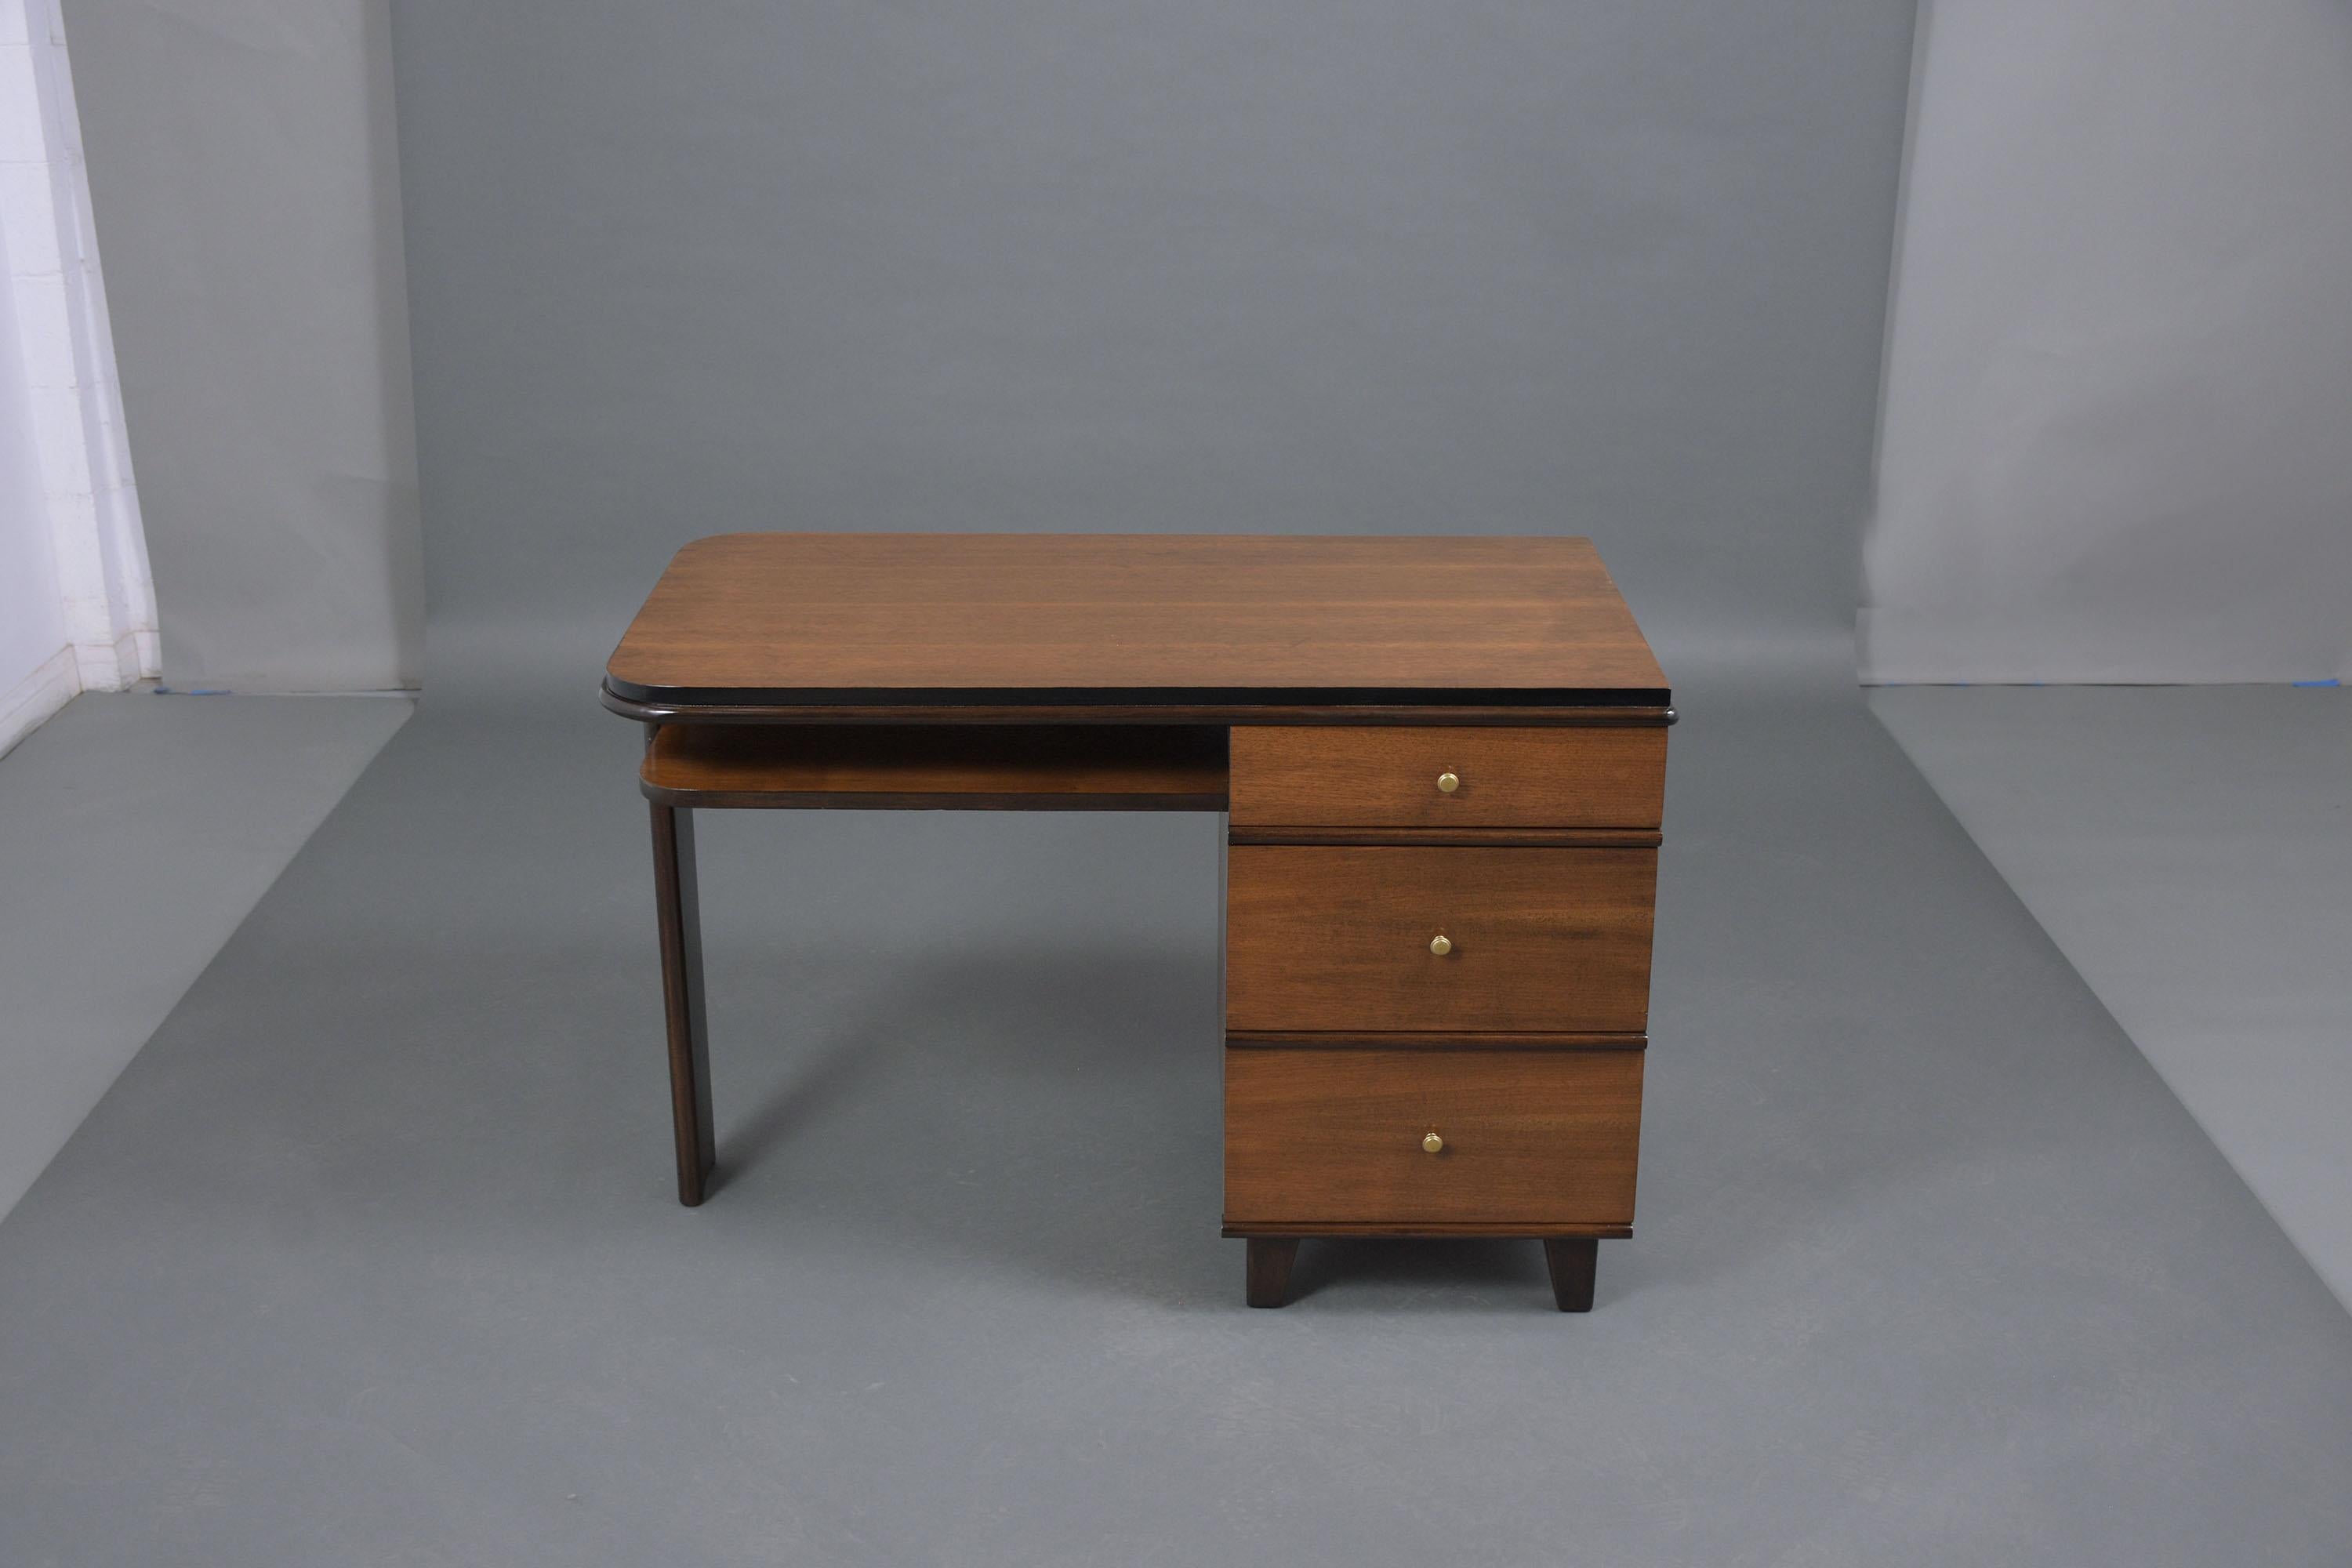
(1346,938)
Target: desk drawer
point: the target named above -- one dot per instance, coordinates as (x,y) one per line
(1391,776)
(1340,939)
(1335,1136)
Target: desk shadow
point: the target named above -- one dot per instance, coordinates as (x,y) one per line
(1057,1112)
(1457,1274)
(801,1101)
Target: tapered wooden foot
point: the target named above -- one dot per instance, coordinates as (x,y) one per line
(1270,1258)
(678,904)
(1571,1260)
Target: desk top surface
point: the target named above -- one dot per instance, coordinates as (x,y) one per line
(822,619)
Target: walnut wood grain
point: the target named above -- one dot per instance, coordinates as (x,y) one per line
(932,767)
(1319,1138)
(1337,938)
(877,618)
(1386,776)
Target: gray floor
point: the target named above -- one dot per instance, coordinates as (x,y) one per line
(370,1257)
(136,833)
(2190,850)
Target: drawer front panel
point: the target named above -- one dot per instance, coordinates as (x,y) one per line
(1340,939)
(1380,776)
(1336,1137)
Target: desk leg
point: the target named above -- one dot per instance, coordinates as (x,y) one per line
(682,1006)
(1572,1259)
(1266,1269)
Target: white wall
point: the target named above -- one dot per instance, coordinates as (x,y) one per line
(77,605)
(2117,425)
(35,663)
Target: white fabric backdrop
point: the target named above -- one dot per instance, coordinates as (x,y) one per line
(2117,425)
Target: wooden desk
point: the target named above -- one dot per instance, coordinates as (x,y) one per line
(1443,766)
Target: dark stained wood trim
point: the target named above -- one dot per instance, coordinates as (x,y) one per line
(1433,696)
(1500,1230)
(1268,1270)
(1359,1040)
(1468,837)
(845,801)
(1571,1262)
(1125,707)
(678,906)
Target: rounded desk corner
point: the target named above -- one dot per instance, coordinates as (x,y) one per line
(701,542)
(630,700)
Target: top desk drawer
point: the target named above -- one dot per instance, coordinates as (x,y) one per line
(1398,776)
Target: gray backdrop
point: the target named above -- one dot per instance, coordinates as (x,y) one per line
(372,1254)
(243,180)
(1589,268)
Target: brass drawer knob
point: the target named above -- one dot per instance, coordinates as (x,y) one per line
(1432,1144)
(1448,783)
(1441,944)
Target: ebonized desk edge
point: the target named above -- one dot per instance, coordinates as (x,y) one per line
(1632,706)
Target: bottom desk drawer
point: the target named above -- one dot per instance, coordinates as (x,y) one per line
(1330,1136)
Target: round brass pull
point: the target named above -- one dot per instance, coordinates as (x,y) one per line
(1432,1144)
(1448,783)
(1441,944)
